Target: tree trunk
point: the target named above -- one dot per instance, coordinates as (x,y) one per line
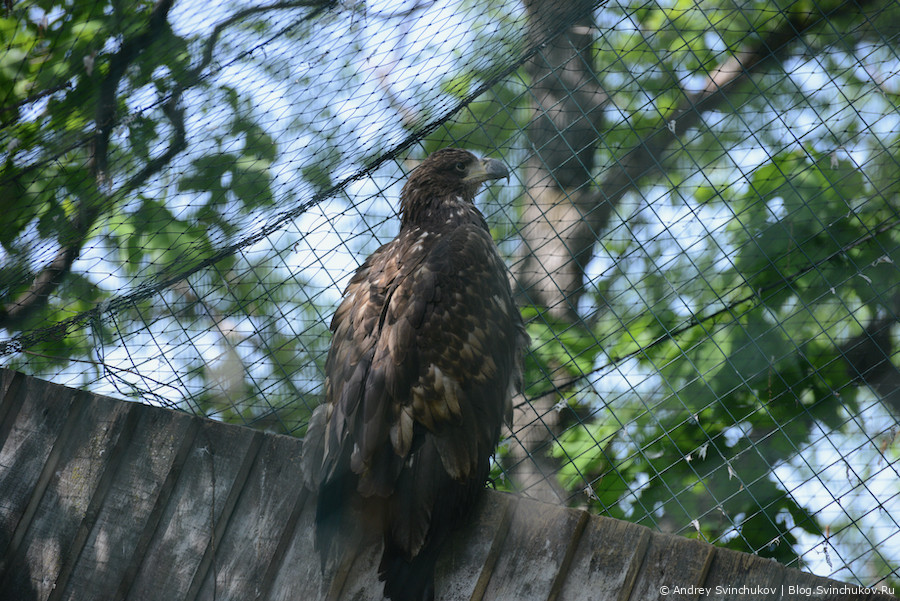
(560,207)
(557,220)
(567,204)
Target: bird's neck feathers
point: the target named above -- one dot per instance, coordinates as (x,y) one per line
(433,208)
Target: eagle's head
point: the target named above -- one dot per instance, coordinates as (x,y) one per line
(449,175)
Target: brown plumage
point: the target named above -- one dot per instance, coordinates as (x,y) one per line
(425,357)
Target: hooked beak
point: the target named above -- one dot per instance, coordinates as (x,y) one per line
(486,169)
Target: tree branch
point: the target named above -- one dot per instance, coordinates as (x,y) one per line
(870,358)
(647,156)
(567,102)
(320,6)
(563,212)
(31,99)
(49,278)
(105,113)
(753,300)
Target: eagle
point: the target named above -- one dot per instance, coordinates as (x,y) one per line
(426,355)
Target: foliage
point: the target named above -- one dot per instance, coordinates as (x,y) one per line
(92,128)
(715,345)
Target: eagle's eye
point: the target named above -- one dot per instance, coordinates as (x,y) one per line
(461,167)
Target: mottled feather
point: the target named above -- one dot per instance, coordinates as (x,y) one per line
(425,355)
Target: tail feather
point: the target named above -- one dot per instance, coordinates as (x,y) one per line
(330,511)
(409,579)
(427,506)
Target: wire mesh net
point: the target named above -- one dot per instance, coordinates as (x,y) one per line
(702,229)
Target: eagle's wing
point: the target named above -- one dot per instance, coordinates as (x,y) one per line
(459,383)
(419,373)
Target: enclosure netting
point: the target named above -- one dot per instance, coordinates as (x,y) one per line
(701,226)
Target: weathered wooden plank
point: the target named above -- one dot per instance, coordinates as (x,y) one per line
(536,545)
(101,499)
(299,576)
(7,376)
(672,561)
(245,551)
(606,561)
(32,432)
(10,400)
(457,574)
(741,575)
(189,520)
(112,458)
(467,563)
(288,535)
(28,441)
(207,562)
(459,568)
(114,539)
(361,580)
(73,471)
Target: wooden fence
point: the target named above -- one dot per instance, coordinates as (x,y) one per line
(108,500)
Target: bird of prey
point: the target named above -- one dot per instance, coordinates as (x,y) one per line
(425,357)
